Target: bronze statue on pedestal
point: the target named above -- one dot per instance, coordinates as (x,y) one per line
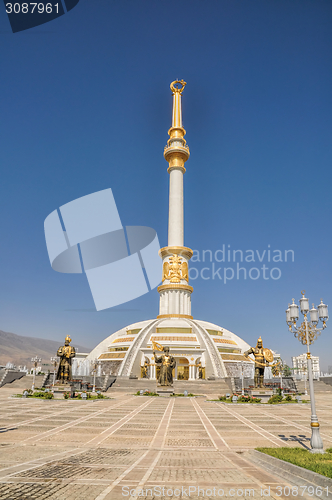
(144,370)
(167,363)
(263,357)
(65,353)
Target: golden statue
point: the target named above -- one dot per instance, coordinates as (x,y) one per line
(200,371)
(263,357)
(167,363)
(144,370)
(65,353)
(175,270)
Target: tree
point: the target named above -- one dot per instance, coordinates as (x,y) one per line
(287,372)
(276,367)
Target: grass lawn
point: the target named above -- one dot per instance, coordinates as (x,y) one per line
(322,464)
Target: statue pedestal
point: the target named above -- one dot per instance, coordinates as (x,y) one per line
(263,394)
(165,390)
(60,389)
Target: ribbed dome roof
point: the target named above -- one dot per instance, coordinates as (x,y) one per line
(217,349)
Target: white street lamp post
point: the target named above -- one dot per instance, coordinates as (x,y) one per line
(35,362)
(307,333)
(305,371)
(305,384)
(242,376)
(95,365)
(280,374)
(54,361)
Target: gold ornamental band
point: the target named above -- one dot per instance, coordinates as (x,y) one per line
(186,316)
(314,424)
(173,286)
(187,252)
(176,159)
(176,132)
(176,166)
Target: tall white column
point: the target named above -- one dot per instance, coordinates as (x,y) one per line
(175,217)
(175,291)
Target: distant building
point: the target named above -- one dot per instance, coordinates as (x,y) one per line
(23,369)
(276,358)
(300,365)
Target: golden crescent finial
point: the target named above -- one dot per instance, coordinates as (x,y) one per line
(303,293)
(175,89)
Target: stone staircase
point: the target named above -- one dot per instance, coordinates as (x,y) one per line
(8,376)
(130,385)
(199,387)
(319,386)
(204,387)
(25,382)
(300,386)
(47,380)
(108,382)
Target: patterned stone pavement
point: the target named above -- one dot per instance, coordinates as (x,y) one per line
(117,448)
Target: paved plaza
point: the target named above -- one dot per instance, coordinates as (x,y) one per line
(105,449)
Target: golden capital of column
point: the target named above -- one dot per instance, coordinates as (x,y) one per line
(170,250)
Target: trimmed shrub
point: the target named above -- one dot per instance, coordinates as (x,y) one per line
(48,395)
(248,399)
(276,398)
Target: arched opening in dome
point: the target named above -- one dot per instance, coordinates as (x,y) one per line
(145,368)
(199,369)
(183,369)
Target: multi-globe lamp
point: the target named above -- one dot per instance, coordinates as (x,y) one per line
(307,333)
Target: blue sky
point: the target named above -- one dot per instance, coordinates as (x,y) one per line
(86,106)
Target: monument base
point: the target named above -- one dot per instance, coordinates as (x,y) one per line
(263,394)
(60,389)
(165,390)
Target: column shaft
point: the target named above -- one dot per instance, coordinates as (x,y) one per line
(175,219)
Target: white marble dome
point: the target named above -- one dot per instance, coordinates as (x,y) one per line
(202,350)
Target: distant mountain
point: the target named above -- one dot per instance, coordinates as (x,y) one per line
(19,350)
